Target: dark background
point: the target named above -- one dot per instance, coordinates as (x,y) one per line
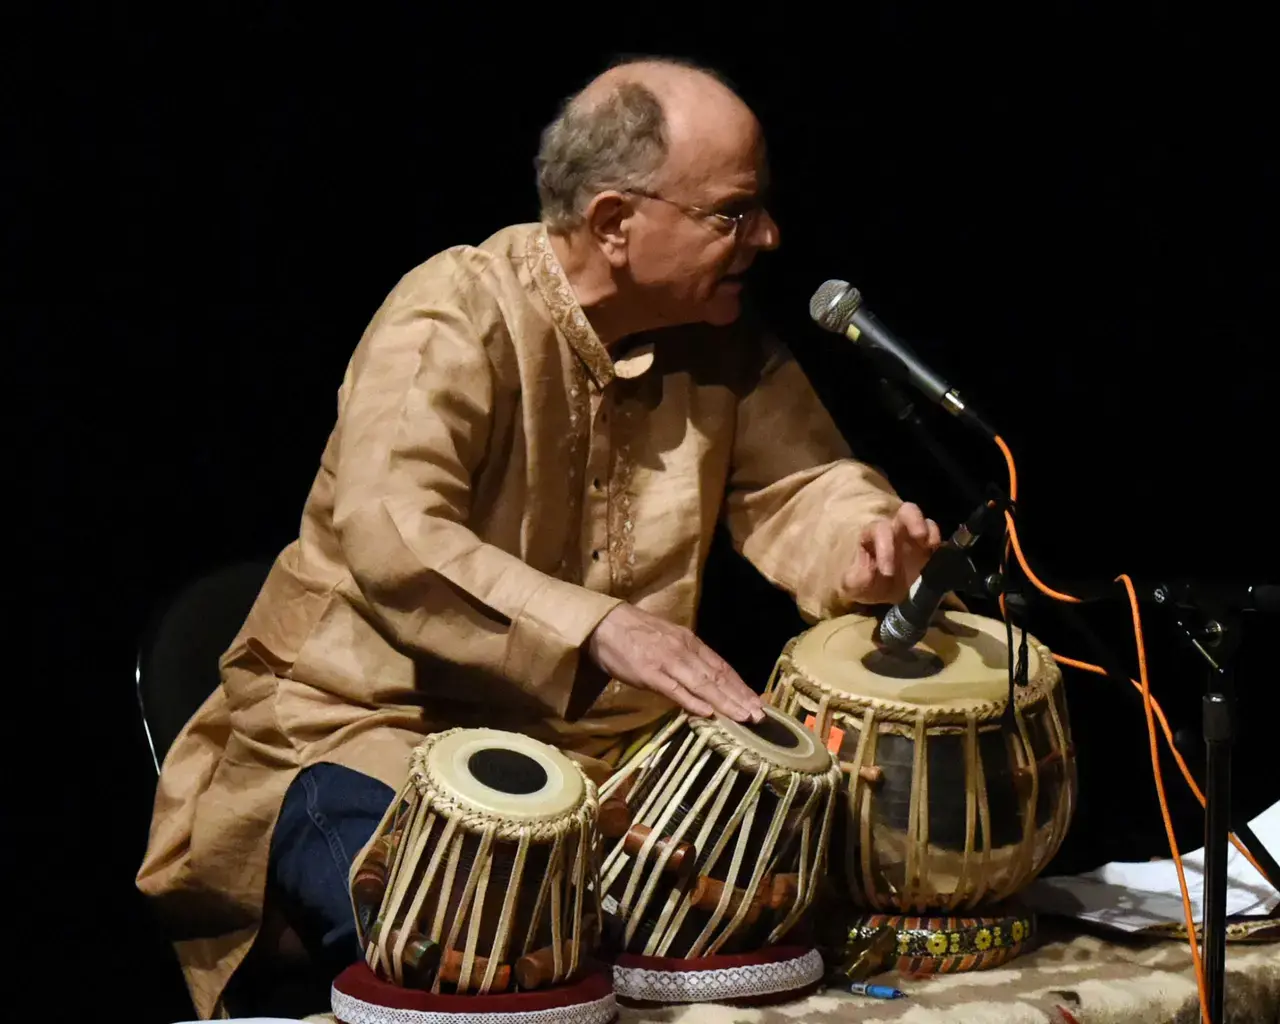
(1070,215)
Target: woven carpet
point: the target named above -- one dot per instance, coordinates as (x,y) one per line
(1071,976)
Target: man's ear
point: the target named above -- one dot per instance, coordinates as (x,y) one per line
(608,219)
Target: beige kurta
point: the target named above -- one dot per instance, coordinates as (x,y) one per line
(495,484)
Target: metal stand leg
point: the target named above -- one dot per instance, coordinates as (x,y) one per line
(1217,737)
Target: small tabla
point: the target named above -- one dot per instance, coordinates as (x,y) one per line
(477,897)
(720,833)
(955,801)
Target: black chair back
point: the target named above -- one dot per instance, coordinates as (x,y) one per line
(177,664)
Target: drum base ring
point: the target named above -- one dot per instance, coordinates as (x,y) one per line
(950,944)
(773,975)
(361,997)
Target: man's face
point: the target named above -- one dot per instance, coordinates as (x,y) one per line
(698,229)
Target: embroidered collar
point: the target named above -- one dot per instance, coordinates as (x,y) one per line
(568,316)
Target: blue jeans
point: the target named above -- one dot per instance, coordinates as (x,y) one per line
(329,813)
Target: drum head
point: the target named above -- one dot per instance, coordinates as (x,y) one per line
(780,740)
(506,774)
(962,661)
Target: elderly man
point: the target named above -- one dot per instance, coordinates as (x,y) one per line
(536,438)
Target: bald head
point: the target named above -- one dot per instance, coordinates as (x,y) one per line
(645,124)
(702,115)
(685,93)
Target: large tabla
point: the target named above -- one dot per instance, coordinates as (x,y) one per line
(955,801)
(477,896)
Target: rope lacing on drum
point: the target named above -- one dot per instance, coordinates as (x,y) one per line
(412,815)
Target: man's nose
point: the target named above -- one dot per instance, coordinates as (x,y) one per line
(765,233)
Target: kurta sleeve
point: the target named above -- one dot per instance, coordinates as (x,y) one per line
(797,499)
(416,418)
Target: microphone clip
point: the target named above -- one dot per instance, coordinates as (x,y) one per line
(951,569)
(986,515)
(981,521)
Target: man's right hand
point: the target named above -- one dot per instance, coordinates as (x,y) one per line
(650,653)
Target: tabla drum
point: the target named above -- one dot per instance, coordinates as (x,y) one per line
(477,896)
(716,837)
(954,799)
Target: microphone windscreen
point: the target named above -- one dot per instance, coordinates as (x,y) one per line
(834,304)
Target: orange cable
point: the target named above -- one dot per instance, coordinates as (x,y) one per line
(1086,666)
(1148,702)
(1164,804)
(1062,659)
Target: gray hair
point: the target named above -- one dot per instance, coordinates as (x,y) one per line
(618,142)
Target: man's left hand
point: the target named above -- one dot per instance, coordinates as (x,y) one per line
(891,554)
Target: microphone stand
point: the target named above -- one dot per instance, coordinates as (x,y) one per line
(994,504)
(1218,632)
(1218,707)
(901,408)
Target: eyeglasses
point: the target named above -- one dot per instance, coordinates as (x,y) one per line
(738,224)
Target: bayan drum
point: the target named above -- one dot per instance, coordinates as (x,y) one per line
(477,896)
(956,799)
(720,833)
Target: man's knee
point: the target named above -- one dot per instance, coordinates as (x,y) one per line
(328,814)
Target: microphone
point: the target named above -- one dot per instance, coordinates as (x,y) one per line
(837,306)
(948,569)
